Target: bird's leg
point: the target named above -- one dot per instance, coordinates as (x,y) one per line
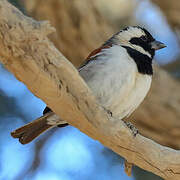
(133,129)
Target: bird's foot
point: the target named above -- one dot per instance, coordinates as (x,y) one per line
(108,111)
(133,129)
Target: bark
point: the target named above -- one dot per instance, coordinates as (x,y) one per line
(27,52)
(82,24)
(158,117)
(79,26)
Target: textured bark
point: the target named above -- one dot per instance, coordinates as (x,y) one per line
(82,24)
(159,116)
(27,52)
(79,26)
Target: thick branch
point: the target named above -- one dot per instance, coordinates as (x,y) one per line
(77,22)
(26,52)
(158,117)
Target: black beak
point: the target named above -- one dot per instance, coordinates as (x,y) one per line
(156,45)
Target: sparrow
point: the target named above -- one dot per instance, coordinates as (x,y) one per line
(119,73)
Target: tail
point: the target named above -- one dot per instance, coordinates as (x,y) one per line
(33,129)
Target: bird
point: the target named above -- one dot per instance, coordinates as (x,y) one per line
(119,73)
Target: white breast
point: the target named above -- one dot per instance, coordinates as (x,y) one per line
(115,81)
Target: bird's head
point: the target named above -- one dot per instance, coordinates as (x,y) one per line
(139,39)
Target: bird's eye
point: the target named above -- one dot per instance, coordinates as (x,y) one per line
(144,38)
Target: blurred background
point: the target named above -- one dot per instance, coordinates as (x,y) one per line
(83,25)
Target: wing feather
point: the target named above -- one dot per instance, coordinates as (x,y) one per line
(93,55)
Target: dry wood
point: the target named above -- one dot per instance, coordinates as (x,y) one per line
(27,52)
(78,24)
(158,117)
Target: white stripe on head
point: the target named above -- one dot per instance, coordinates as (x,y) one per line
(140,49)
(123,37)
(129,33)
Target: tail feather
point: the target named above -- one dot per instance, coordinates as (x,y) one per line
(33,129)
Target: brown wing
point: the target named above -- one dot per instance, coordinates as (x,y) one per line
(92,56)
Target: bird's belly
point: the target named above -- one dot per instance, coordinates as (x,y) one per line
(124,99)
(134,98)
(116,82)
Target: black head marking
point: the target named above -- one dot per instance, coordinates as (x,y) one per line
(143,62)
(144,41)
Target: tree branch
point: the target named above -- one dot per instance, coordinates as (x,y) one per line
(33,59)
(158,116)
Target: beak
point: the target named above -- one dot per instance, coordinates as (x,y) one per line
(156,45)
